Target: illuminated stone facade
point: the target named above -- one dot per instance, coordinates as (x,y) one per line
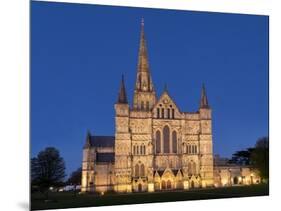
(156,145)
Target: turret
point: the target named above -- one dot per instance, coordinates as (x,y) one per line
(205,110)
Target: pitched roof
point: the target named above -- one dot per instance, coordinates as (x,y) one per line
(105,157)
(100,141)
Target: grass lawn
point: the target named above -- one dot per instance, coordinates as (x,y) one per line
(69,200)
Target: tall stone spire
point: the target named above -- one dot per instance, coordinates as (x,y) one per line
(204,99)
(122,97)
(144,94)
(144,81)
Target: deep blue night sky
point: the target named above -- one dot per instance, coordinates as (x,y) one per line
(78,53)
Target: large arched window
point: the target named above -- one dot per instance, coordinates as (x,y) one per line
(166,139)
(137,173)
(174,142)
(158,142)
(194,168)
(189,168)
(142,170)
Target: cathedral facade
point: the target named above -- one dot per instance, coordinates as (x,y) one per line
(156,145)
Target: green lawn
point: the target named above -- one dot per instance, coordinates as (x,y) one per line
(69,200)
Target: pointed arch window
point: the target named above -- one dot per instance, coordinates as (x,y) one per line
(158,141)
(174,142)
(193,168)
(147,105)
(158,113)
(173,113)
(162,113)
(142,170)
(137,173)
(168,113)
(166,139)
(189,168)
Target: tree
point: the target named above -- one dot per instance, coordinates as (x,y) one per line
(242,157)
(260,157)
(47,169)
(75,177)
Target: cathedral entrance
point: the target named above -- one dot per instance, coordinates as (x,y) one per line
(235,180)
(169,184)
(163,185)
(139,187)
(192,184)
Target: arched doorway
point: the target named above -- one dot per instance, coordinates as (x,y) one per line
(192,184)
(157,186)
(169,184)
(235,180)
(163,185)
(139,187)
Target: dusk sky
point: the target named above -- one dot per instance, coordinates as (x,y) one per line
(80,51)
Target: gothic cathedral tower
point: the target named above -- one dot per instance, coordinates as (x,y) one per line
(122,143)
(206,141)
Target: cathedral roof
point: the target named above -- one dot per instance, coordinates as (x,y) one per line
(106,157)
(100,141)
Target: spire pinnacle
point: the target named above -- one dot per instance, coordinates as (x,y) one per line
(204,99)
(144,81)
(144,93)
(122,97)
(88,140)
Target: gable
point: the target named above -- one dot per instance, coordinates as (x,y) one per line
(166,105)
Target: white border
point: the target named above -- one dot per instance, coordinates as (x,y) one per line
(14,104)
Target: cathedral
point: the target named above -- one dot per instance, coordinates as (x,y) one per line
(156,146)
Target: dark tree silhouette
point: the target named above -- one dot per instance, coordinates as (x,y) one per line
(75,177)
(47,169)
(242,157)
(260,157)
